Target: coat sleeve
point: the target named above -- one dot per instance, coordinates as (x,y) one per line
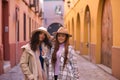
(73,63)
(24,61)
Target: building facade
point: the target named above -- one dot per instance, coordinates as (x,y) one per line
(17,19)
(94,25)
(53,11)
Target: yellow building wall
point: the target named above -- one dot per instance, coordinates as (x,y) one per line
(79,7)
(95,6)
(116,22)
(116,38)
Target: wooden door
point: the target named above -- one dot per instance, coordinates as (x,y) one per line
(106,44)
(5,30)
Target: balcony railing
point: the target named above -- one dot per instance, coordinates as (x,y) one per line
(32,3)
(37,7)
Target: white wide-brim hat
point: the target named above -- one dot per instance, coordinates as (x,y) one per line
(42,29)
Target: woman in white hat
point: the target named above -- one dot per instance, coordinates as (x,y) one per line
(33,63)
(62,65)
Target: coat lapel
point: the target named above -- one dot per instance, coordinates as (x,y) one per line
(28,49)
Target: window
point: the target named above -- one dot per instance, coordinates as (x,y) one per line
(29,27)
(17,23)
(32,24)
(24,25)
(35,25)
(37,6)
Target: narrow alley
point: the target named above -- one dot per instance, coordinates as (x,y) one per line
(91,27)
(87,70)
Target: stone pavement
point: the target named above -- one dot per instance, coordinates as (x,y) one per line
(90,71)
(14,74)
(87,70)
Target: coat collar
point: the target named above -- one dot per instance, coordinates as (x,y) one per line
(28,49)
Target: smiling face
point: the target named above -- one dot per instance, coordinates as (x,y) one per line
(41,36)
(61,38)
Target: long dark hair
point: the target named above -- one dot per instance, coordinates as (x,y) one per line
(34,41)
(54,58)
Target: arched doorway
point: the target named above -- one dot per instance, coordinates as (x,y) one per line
(77,42)
(87,33)
(53,27)
(106,34)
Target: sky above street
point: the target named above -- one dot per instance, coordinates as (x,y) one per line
(41,1)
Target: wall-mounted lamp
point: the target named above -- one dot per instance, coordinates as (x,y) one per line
(68,3)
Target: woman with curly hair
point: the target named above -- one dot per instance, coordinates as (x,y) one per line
(33,63)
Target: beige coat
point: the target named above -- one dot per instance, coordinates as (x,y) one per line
(30,64)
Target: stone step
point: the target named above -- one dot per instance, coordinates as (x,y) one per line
(105,68)
(6,66)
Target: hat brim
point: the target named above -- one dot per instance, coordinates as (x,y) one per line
(54,33)
(48,35)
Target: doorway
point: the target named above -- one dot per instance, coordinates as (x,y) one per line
(5,34)
(87,32)
(106,34)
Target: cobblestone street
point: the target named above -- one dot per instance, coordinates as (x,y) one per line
(88,71)
(14,74)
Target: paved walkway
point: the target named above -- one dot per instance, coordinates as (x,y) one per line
(14,74)
(87,70)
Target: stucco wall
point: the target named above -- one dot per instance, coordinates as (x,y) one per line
(95,7)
